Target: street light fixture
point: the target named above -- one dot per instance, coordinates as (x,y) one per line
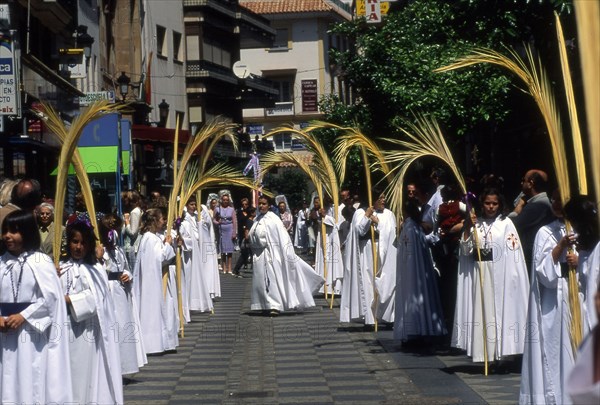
(163,113)
(84,40)
(123,82)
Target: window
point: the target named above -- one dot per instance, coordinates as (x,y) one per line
(161,43)
(192,47)
(19,164)
(283,141)
(281,38)
(177,56)
(216,53)
(285,88)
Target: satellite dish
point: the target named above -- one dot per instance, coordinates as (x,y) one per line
(241,70)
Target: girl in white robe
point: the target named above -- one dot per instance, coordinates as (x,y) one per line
(281,280)
(120,283)
(502,305)
(149,287)
(418,309)
(197,297)
(209,270)
(334,263)
(95,357)
(34,357)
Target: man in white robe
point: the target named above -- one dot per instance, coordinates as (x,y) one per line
(358,293)
(281,280)
(548,356)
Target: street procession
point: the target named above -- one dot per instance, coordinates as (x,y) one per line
(333,201)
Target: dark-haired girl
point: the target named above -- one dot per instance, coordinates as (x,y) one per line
(94,351)
(127,329)
(155,318)
(32,310)
(501,306)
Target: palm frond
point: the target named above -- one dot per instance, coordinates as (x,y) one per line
(69,154)
(320,159)
(575,128)
(219,175)
(425,138)
(587,14)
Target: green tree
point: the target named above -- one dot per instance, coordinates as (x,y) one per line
(292,183)
(391,66)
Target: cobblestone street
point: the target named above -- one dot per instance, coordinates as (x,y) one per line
(236,357)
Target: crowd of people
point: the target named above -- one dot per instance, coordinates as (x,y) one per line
(468,272)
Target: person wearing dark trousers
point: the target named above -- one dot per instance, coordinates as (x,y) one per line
(245,252)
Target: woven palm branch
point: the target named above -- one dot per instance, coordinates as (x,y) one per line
(424,138)
(219,175)
(352,137)
(587,14)
(320,159)
(575,128)
(213,128)
(539,87)
(69,154)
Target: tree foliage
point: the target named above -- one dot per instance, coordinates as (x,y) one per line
(390,67)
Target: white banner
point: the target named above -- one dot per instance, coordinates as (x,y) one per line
(8,77)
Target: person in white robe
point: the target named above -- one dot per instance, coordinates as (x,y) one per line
(548,356)
(150,286)
(281,281)
(120,282)
(95,357)
(209,267)
(502,305)
(331,260)
(32,313)
(582,213)
(301,233)
(197,295)
(583,383)
(358,302)
(418,309)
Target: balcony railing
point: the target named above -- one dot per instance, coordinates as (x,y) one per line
(202,68)
(285,108)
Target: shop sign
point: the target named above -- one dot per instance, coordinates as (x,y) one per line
(254,129)
(8,78)
(93,96)
(309,95)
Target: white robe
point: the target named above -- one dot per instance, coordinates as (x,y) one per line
(148,292)
(208,252)
(589,277)
(357,303)
(34,359)
(548,355)
(580,385)
(301,234)
(128,332)
(95,357)
(280,280)
(197,294)
(334,262)
(505,294)
(418,309)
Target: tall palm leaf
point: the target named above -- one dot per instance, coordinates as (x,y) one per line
(69,154)
(587,14)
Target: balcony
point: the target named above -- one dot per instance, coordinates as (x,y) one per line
(54,14)
(285,108)
(204,69)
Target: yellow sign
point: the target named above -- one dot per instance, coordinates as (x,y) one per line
(360,7)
